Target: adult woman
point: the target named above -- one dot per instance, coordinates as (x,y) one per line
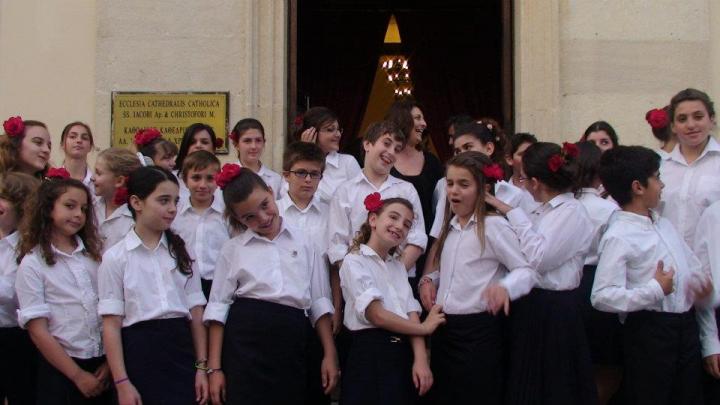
(601,134)
(25,147)
(77,142)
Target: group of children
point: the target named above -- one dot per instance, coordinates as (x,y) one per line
(550,270)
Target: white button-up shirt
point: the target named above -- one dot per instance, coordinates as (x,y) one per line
(348,213)
(312,220)
(112,229)
(339,168)
(599,210)
(706,248)
(285,270)
(466,269)
(8,271)
(365,277)
(140,283)
(689,188)
(555,240)
(204,232)
(272,179)
(66,295)
(625,279)
(184,191)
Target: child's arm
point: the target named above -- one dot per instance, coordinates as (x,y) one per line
(384,319)
(200,343)
(112,339)
(339,227)
(337,316)
(216,376)
(416,238)
(506,247)
(422,376)
(329,367)
(410,255)
(427,289)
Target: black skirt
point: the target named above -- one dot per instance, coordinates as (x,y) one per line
(663,363)
(159,358)
(53,388)
(265,353)
(603,329)
(17,382)
(467,360)
(378,370)
(549,357)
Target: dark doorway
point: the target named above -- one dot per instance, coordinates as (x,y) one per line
(459,53)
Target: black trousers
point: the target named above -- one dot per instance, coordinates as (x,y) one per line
(53,388)
(378,370)
(18,376)
(662,359)
(712,385)
(467,360)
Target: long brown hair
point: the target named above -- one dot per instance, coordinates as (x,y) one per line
(362,236)
(37,224)
(10,149)
(15,187)
(474,162)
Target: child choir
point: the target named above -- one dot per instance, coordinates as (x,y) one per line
(581,273)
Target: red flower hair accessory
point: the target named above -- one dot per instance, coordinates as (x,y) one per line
(219,143)
(57,173)
(234,136)
(145,136)
(121,196)
(227,174)
(555,163)
(657,118)
(373,202)
(568,150)
(14,126)
(493,172)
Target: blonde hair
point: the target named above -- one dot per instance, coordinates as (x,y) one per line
(362,236)
(119,161)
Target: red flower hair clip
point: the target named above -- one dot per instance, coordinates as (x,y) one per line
(145,136)
(234,136)
(57,173)
(493,172)
(219,143)
(558,160)
(657,118)
(299,121)
(373,202)
(14,126)
(227,174)
(121,196)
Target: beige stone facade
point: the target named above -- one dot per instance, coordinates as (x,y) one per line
(576,61)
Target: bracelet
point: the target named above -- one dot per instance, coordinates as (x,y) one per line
(212,370)
(424,280)
(120,381)
(199,365)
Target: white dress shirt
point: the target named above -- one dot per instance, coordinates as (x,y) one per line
(285,270)
(555,240)
(204,232)
(466,269)
(184,191)
(140,283)
(348,213)
(113,228)
(339,168)
(625,278)
(599,210)
(689,188)
(312,220)
(505,191)
(706,249)
(272,179)
(365,277)
(66,295)
(8,272)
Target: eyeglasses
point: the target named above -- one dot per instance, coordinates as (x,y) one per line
(303,174)
(332,130)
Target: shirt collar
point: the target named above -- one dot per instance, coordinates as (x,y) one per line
(121,210)
(633,218)
(560,199)
(333,159)
(133,241)
(590,190)
(287,203)
(12,239)
(455,222)
(217,205)
(248,235)
(712,146)
(389,181)
(78,249)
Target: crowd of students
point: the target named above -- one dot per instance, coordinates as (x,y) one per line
(531,273)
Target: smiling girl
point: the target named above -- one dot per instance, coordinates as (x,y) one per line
(248,137)
(77,142)
(25,147)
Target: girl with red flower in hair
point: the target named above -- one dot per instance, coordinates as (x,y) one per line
(659,122)
(24,147)
(481,268)
(150,143)
(387,350)
(548,348)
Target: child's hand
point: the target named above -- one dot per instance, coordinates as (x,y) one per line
(498,204)
(422,376)
(89,385)
(127,394)
(712,365)
(103,374)
(309,135)
(216,382)
(330,373)
(665,279)
(434,319)
(428,295)
(497,298)
(202,394)
(700,290)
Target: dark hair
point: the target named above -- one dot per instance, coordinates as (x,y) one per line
(401,116)
(153,147)
(246,124)
(456,120)
(482,132)
(303,151)
(362,236)
(315,117)
(199,160)
(189,138)
(621,166)
(143,182)
(536,165)
(691,95)
(377,129)
(37,225)
(69,126)
(601,126)
(588,164)
(237,191)
(518,140)
(15,187)
(10,149)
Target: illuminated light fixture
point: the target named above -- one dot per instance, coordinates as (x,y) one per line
(394,63)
